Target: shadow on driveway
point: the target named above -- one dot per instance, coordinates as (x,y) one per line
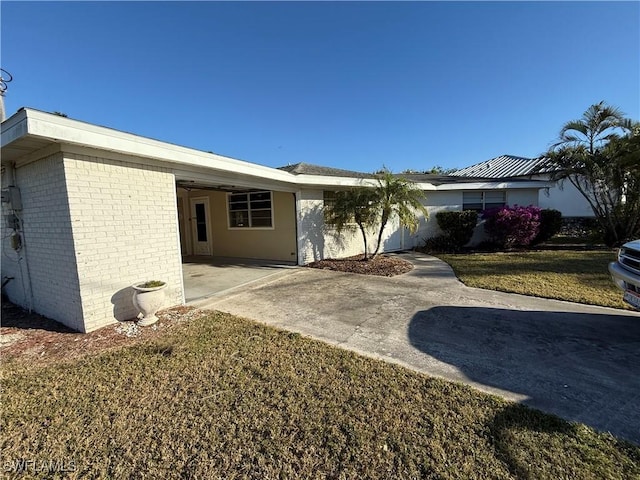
(581,366)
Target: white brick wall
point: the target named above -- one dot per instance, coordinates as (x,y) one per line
(124,221)
(44,271)
(91,228)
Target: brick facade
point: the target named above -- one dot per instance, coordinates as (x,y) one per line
(93,227)
(45,277)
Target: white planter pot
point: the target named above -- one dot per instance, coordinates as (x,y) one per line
(148,301)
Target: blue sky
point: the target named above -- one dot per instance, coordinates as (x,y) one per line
(350,85)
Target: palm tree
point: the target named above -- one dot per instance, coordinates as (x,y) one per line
(598,125)
(589,156)
(356,206)
(397,196)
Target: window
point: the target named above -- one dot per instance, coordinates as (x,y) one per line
(201,223)
(250,210)
(329,199)
(480,201)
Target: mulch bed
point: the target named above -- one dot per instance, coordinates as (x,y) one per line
(382,265)
(40,341)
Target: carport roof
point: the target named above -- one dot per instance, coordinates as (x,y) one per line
(27,132)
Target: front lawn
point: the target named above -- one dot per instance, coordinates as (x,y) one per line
(574,276)
(224,397)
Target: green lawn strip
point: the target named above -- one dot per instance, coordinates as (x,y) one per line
(224,397)
(574,276)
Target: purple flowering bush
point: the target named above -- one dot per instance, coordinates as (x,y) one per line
(512,226)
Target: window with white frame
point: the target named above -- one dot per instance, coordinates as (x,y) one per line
(483,200)
(250,210)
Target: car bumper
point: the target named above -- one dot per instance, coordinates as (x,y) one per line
(622,278)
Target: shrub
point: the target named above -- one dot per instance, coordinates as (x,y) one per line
(550,225)
(458,227)
(439,244)
(512,226)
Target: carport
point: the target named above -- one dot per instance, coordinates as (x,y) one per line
(232,234)
(206,277)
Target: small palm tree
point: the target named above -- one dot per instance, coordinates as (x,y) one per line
(397,196)
(356,206)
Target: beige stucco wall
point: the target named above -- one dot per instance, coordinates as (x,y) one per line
(277,243)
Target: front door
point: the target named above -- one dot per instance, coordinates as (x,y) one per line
(201,232)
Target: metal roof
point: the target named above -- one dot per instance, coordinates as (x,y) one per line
(438,180)
(506,166)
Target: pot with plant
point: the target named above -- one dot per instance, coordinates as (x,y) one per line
(148,297)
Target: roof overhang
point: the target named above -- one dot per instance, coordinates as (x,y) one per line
(31,134)
(29,131)
(492,185)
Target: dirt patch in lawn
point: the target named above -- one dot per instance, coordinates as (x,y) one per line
(40,341)
(382,265)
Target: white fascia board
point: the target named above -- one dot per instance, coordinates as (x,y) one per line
(337,182)
(326,181)
(426,186)
(226,179)
(62,130)
(73,132)
(14,128)
(493,185)
(65,130)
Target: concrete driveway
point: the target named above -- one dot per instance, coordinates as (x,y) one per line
(576,361)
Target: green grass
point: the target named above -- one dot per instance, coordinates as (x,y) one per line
(575,276)
(224,397)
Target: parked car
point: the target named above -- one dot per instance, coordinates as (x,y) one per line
(626,272)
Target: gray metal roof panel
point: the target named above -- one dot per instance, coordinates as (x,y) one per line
(506,166)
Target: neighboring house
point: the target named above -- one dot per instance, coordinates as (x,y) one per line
(561,195)
(88,211)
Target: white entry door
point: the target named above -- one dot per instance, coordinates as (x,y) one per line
(200,228)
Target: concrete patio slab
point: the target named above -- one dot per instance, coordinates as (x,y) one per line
(207,277)
(577,361)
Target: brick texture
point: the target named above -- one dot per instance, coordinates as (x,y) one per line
(44,270)
(124,223)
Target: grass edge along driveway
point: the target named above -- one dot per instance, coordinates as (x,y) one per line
(573,276)
(225,397)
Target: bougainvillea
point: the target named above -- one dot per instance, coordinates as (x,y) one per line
(512,226)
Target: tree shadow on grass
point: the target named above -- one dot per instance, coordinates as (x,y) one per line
(527,441)
(582,367)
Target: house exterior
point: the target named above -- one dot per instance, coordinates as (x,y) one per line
(561,196)
(88,211)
